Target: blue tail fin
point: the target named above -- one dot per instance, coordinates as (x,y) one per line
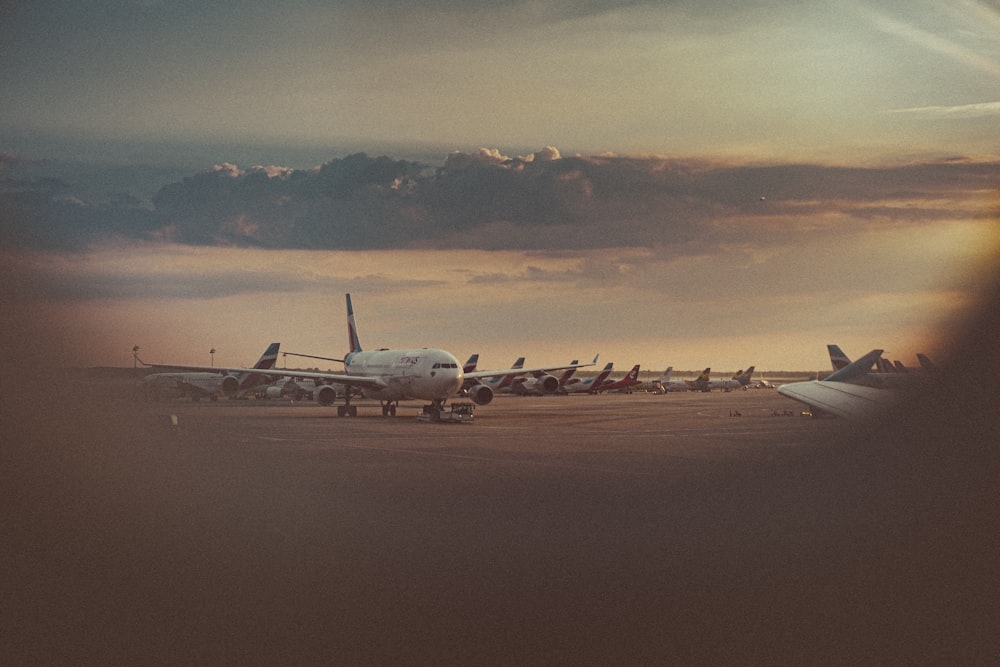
(354,344)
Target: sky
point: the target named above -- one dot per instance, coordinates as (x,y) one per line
(670,183)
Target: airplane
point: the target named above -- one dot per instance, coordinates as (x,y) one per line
(672,385)
(887,374)
(540,383)
(626,383)
(660,385)
(844,393)
(587,385)
(925,362)
(394,375)
(208,383)
(744,377)
(498,384)
(569,373)
(703,383)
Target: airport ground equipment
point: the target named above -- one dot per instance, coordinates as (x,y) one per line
(456,413)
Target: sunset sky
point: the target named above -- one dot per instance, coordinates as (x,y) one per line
(685,183)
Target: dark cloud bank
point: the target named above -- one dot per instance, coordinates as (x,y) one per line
(485,200)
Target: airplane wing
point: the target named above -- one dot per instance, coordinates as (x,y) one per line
(842,399)
(336,378)
(839,394)
(475,375)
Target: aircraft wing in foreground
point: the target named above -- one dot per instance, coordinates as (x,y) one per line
(839,395)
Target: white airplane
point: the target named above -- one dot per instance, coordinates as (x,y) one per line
(391,376)
(500,384)
(208,382)
(659,385)
(704,383)
(669,384)
(841,394)
(540,383)
(587,385)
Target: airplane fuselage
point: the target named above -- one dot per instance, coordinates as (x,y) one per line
(423,374)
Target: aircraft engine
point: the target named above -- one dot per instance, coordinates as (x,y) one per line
(325,395)
(230,385)
(275,391)
(548,384)
(545,384)
(480,394)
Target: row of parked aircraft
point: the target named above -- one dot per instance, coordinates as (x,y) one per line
(857,389)
(391,376)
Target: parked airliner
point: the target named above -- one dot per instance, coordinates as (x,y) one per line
(209,382)
(391,376)
(627,383)
(704,383)
(587,385)
(540,382)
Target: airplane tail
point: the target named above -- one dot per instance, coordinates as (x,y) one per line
(568,373)
(354,344)
(701,380)
(267,361)
(665,378)
(924,360)
(744,377)
(471,364)
(634,373)
(837,357)
(856,369)
(601,378)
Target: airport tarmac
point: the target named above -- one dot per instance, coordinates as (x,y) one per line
(624,529)
(617,433)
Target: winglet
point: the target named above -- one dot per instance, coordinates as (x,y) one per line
(856,368)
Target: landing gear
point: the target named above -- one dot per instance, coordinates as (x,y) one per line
(347,410)
(389,408)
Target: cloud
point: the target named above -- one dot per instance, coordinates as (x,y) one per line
(977,110)
(487,200)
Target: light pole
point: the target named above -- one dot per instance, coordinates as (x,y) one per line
(135,356)
(212,352)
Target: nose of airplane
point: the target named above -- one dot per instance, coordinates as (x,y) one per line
(451,379)
(447,377)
